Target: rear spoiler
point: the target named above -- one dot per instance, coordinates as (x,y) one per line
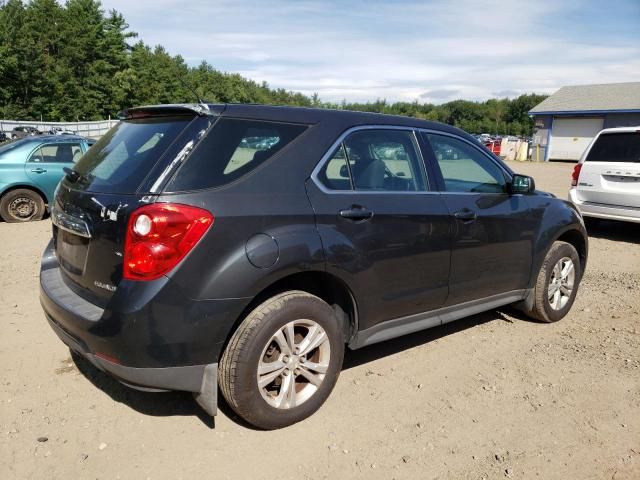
(200,109)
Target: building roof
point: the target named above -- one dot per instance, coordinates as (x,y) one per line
(607,97)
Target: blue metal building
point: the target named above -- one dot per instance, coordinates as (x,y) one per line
(568,120)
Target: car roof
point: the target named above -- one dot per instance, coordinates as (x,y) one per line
(621,129)
(53,138)
(305,115)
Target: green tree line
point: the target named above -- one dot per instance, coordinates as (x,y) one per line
(77,62)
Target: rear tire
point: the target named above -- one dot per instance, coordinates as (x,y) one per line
(21,205)
(557,283)
(283,361)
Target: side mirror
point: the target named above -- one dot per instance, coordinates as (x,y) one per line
(522,184)
(344,171)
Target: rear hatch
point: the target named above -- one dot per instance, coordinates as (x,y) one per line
(125,169)
(610,173)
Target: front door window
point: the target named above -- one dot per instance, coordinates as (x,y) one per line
(464,168)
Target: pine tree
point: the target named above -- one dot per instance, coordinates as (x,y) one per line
(75,62)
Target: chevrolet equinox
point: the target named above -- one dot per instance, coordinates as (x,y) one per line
(242,247)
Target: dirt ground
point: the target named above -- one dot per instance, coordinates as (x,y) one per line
(491,396)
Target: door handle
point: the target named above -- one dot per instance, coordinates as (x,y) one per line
(465,215)
(356,213)
(38,170)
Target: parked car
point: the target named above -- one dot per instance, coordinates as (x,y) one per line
(3,137)
(21,132)
(60,131)
(173,268)
(605,183)
(494,146)
(30,169)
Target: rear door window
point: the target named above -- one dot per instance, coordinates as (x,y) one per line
(335,173)
(385,160)
(232,148)
(376,159)
(57,153)
(121,159)
(616,147)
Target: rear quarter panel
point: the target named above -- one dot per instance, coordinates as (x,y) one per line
(270,200)
(219,266)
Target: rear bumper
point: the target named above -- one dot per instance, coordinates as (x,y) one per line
(149,340)
(188,378)
(202,380)
(608,212)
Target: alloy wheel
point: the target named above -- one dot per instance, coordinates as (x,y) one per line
(293,364)
(561,283)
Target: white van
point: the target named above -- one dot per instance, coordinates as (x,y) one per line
(606,181)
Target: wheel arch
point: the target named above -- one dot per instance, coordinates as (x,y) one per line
(29,188)
(559,220)
(20,186)
(576,238)
(573,234)
(324,285)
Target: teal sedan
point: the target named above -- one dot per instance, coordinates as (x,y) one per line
(30,170)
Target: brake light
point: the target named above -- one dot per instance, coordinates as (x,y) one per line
(576,174)
(159,236)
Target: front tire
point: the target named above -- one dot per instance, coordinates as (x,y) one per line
(557,283)
(283,361)
(21,205)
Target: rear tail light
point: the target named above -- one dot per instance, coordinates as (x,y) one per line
(576,174)
(159,236)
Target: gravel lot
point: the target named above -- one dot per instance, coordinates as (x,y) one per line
(491,396)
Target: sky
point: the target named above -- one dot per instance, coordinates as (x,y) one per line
(404,50)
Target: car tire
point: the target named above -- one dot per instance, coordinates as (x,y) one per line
(557,283)
(21,205)
(262,376)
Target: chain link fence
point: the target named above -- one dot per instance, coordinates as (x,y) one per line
(86,129)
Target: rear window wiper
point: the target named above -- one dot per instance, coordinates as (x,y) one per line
(71,174)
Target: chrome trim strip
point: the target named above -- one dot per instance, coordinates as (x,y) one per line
(70,224)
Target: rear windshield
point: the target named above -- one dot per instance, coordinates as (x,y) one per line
(11,145)
(616,147)
(122,158)
(231,149)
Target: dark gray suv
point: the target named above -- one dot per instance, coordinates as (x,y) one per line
(245,246)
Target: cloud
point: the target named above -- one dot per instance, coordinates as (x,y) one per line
(403,50)
(439,94)
(506,93)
